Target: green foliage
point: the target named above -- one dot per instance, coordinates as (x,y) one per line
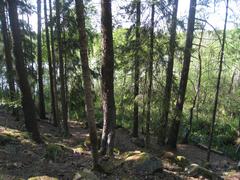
(9,105)
(77,104)
(53,152)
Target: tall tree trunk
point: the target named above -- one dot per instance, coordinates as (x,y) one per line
(143,124)
(31,67)
(150,74)
(87,80)
(122,107)
(23,40)
(53,92)
(232,82)
(66,71)
(61,68)
(136,70)
(107,70)
(8,55)
(173,136)
(42,112)
(27,101)
(56,121)
(169,78)
(31,47)
(218,84)
(189,131)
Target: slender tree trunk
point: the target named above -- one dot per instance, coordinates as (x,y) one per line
(150,74)
(53,92)
(27,101)
(169,78)
(31,47)
(232,81)
(218,85)
(8,55)
(173,136)
(23,39)
(66,71)
(188,134)
(31,67)
(87,80)
(107,70)
(144,100)
(61,68)
(122,107)
(136,70)
(56,121)
(42,112)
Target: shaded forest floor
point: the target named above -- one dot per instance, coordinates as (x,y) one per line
(66,158)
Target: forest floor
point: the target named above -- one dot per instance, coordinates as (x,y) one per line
(66,158)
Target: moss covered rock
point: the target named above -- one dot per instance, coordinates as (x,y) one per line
(181,161)
(142,163)
(53,152)
(111,164)
(85,174)
(197,171)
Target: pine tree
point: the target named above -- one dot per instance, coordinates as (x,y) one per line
(61,68)
(107,70)
(27,101)
(87,80)
(39,60)
(173,134)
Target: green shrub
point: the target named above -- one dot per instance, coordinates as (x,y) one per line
(53,152)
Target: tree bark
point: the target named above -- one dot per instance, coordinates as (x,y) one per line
(136,69)
(53,92)
(42,112)
(31,47)
(122,107)
(150,74)
(169,78)
(87,80)
(189,131)
(61,68)
(145,88)
(27,101)
(56,121)
(8,54)
(173,136)
(107,71)
(218,85)
(66,71)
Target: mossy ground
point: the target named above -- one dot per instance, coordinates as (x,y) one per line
(63,158)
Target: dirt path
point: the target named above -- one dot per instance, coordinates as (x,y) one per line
(197,155)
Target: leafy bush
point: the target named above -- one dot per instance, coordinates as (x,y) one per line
(53,152)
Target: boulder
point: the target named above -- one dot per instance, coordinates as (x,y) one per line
(138,142)
(233,176)
(42,178)
(169,156)
(85,174)
(110,164)
(142,163)
(196,171)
